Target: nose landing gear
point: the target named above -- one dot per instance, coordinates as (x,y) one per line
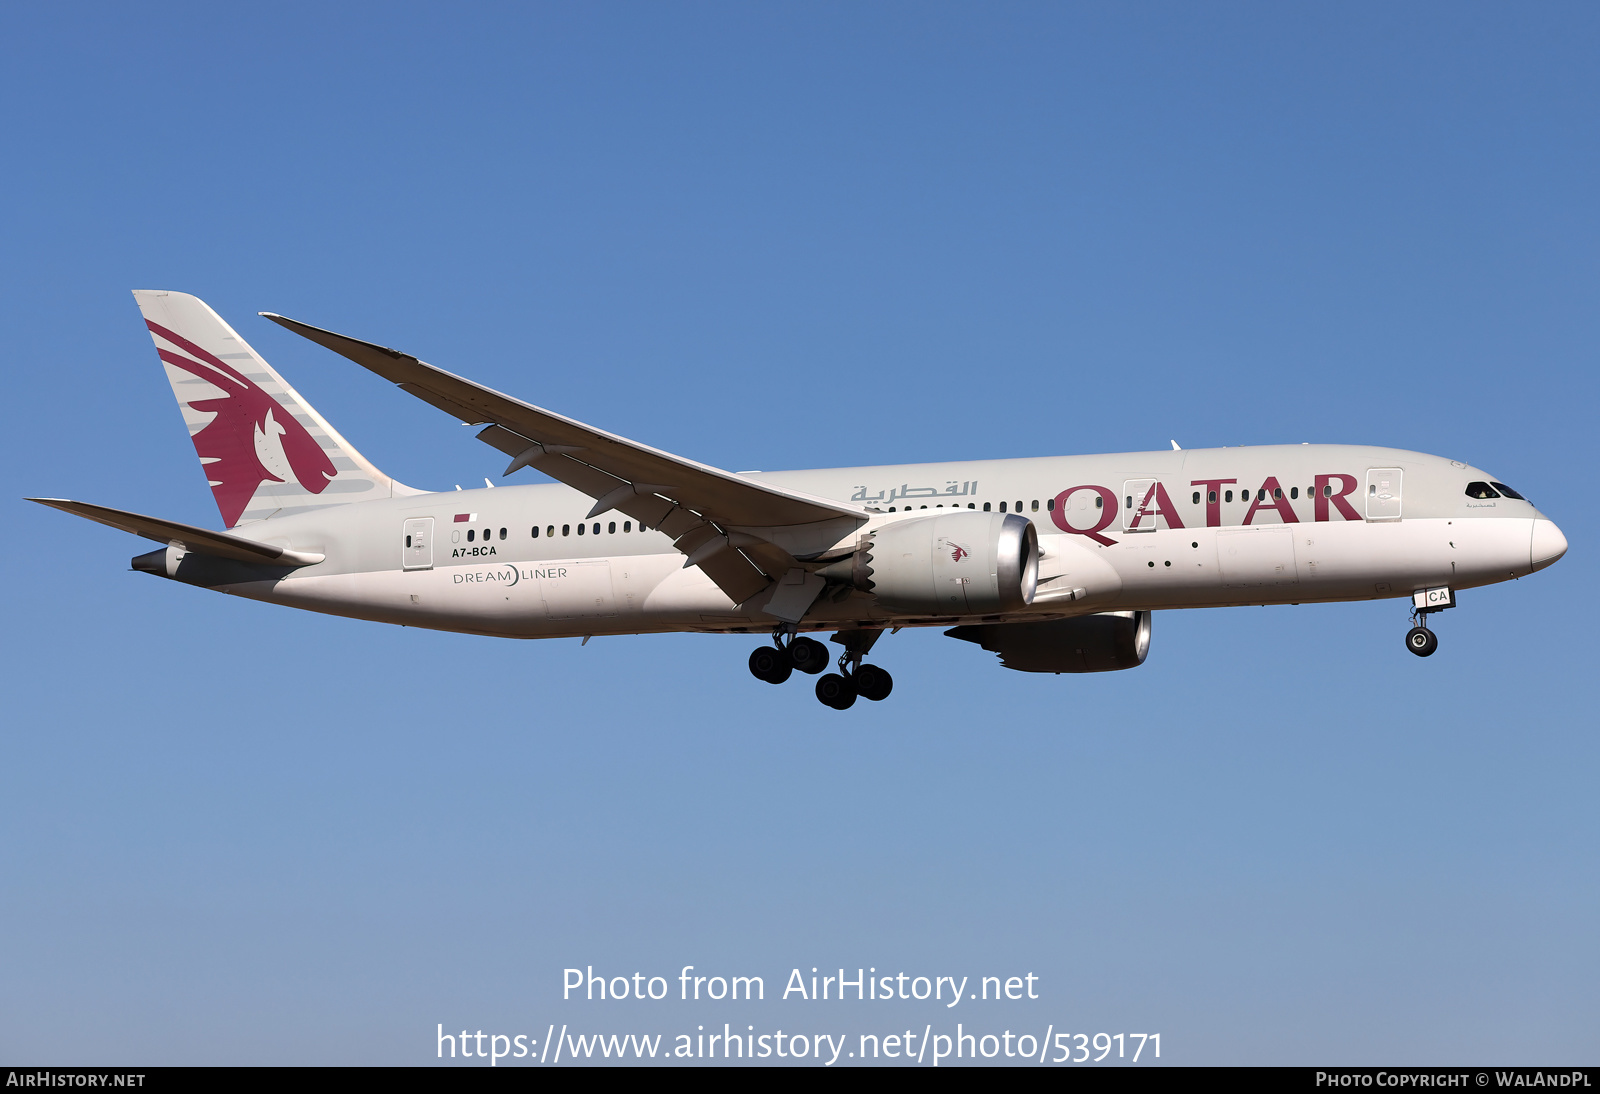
(1419,639)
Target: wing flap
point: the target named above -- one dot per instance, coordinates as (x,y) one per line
(735,575)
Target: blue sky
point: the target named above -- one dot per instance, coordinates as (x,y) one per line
(787,236)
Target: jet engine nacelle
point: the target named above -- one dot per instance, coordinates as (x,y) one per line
(961,563)
(1089,643)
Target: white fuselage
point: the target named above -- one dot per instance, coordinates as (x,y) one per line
(1280,524)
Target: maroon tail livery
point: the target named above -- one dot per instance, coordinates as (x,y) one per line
(247,420)
(263,449)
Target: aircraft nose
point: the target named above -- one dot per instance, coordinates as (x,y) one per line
(1548,544)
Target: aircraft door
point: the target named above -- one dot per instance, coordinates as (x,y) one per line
(1383,493)
(1135,518)
(418,551)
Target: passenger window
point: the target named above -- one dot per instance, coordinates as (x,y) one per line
(1294,492)
(551,530)
(1277,493)
(470,534)
(1327,489)
(1002,507)
(972,505)
(985,507)
(1196,499)
(1019,507)
(1128,501)
(408,541)
(502,533)
(1099,501)
(597,528)
(1050,505)
(1211,496)
(1035,505)
(1227,495)
(566,529)
(581,528)
(1261,495)
(627,526)
(612,527)
(535,531)
(1508,492)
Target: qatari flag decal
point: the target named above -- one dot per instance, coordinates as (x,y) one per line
(464,518)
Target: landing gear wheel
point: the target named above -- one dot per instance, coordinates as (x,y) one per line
(771,664)
(810,656)
(873,683)
(1421,641)
(836,691)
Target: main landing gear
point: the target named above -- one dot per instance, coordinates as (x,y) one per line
(839,689)
(775,664)
(1419,639)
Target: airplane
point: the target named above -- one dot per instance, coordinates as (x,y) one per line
(1054,564)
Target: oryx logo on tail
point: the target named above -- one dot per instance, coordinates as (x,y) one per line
(251,439)
(265,450)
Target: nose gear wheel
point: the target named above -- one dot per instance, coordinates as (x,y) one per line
(1421,641)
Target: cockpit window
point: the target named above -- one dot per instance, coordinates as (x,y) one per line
(1481,490)
(1507,491)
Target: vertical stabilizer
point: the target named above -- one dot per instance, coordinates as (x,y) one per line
(265,451)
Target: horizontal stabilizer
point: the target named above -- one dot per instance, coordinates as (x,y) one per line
(198,540)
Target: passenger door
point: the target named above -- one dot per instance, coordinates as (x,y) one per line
(1383,493)
(418,551)
(1133,495)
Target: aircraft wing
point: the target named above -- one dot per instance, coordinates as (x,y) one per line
(743,533)
(201,541)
